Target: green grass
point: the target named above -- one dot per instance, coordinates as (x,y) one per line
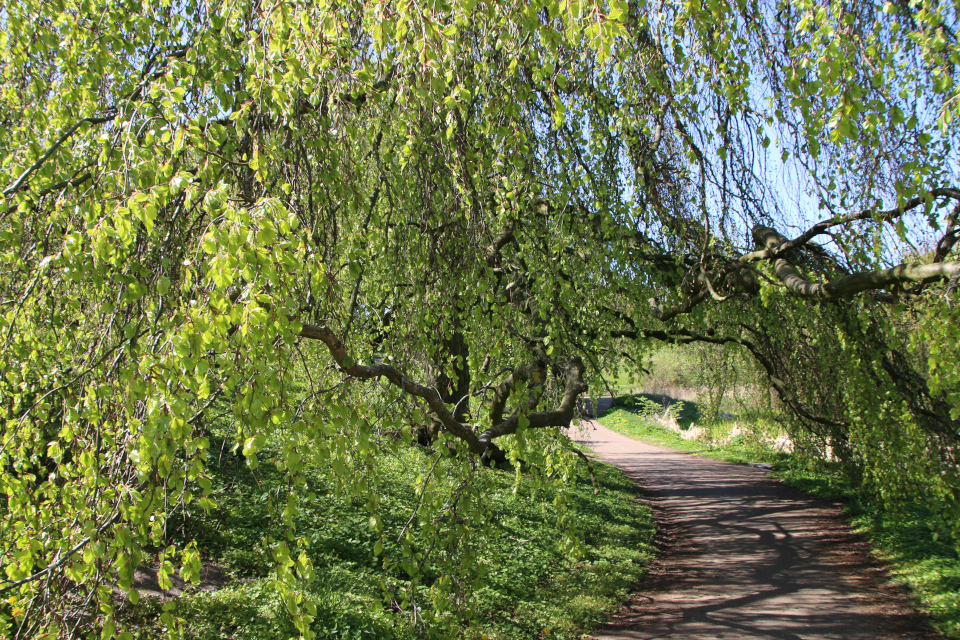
(917,557)
(633,416)
(531,589)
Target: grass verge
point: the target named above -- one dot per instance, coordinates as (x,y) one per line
(908,543)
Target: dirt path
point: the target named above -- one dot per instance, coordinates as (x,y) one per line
(745,557)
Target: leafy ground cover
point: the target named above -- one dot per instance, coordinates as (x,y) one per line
(530,588)
(913,544)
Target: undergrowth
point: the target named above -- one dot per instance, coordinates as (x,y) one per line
(917,553)
(529,588)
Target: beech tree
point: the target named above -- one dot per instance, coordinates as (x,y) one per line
(449,219)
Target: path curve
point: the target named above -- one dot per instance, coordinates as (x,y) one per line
(743,556)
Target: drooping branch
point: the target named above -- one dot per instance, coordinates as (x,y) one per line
(704,284)
(60,560)
(586,461)
(950,238)
(665,315)
(81,177)
(109,115)
(19,183)
(482,444)
(854,283)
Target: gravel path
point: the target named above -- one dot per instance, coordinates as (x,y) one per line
(745,557)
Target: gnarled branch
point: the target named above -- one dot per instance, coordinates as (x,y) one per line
(482,444)
(535,372)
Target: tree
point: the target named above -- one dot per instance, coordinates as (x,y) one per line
(466,210)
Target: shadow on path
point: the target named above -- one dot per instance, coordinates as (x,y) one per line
(743,556)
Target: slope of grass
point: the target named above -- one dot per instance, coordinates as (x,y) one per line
(531,589)
(910,544)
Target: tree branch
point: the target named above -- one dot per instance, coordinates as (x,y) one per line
(536,372)
(110,114)
(854,283)
(21,181)
(382,370)
(560,417)
(769,252)
(669,314)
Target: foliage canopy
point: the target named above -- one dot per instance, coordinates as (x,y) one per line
(448,218)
